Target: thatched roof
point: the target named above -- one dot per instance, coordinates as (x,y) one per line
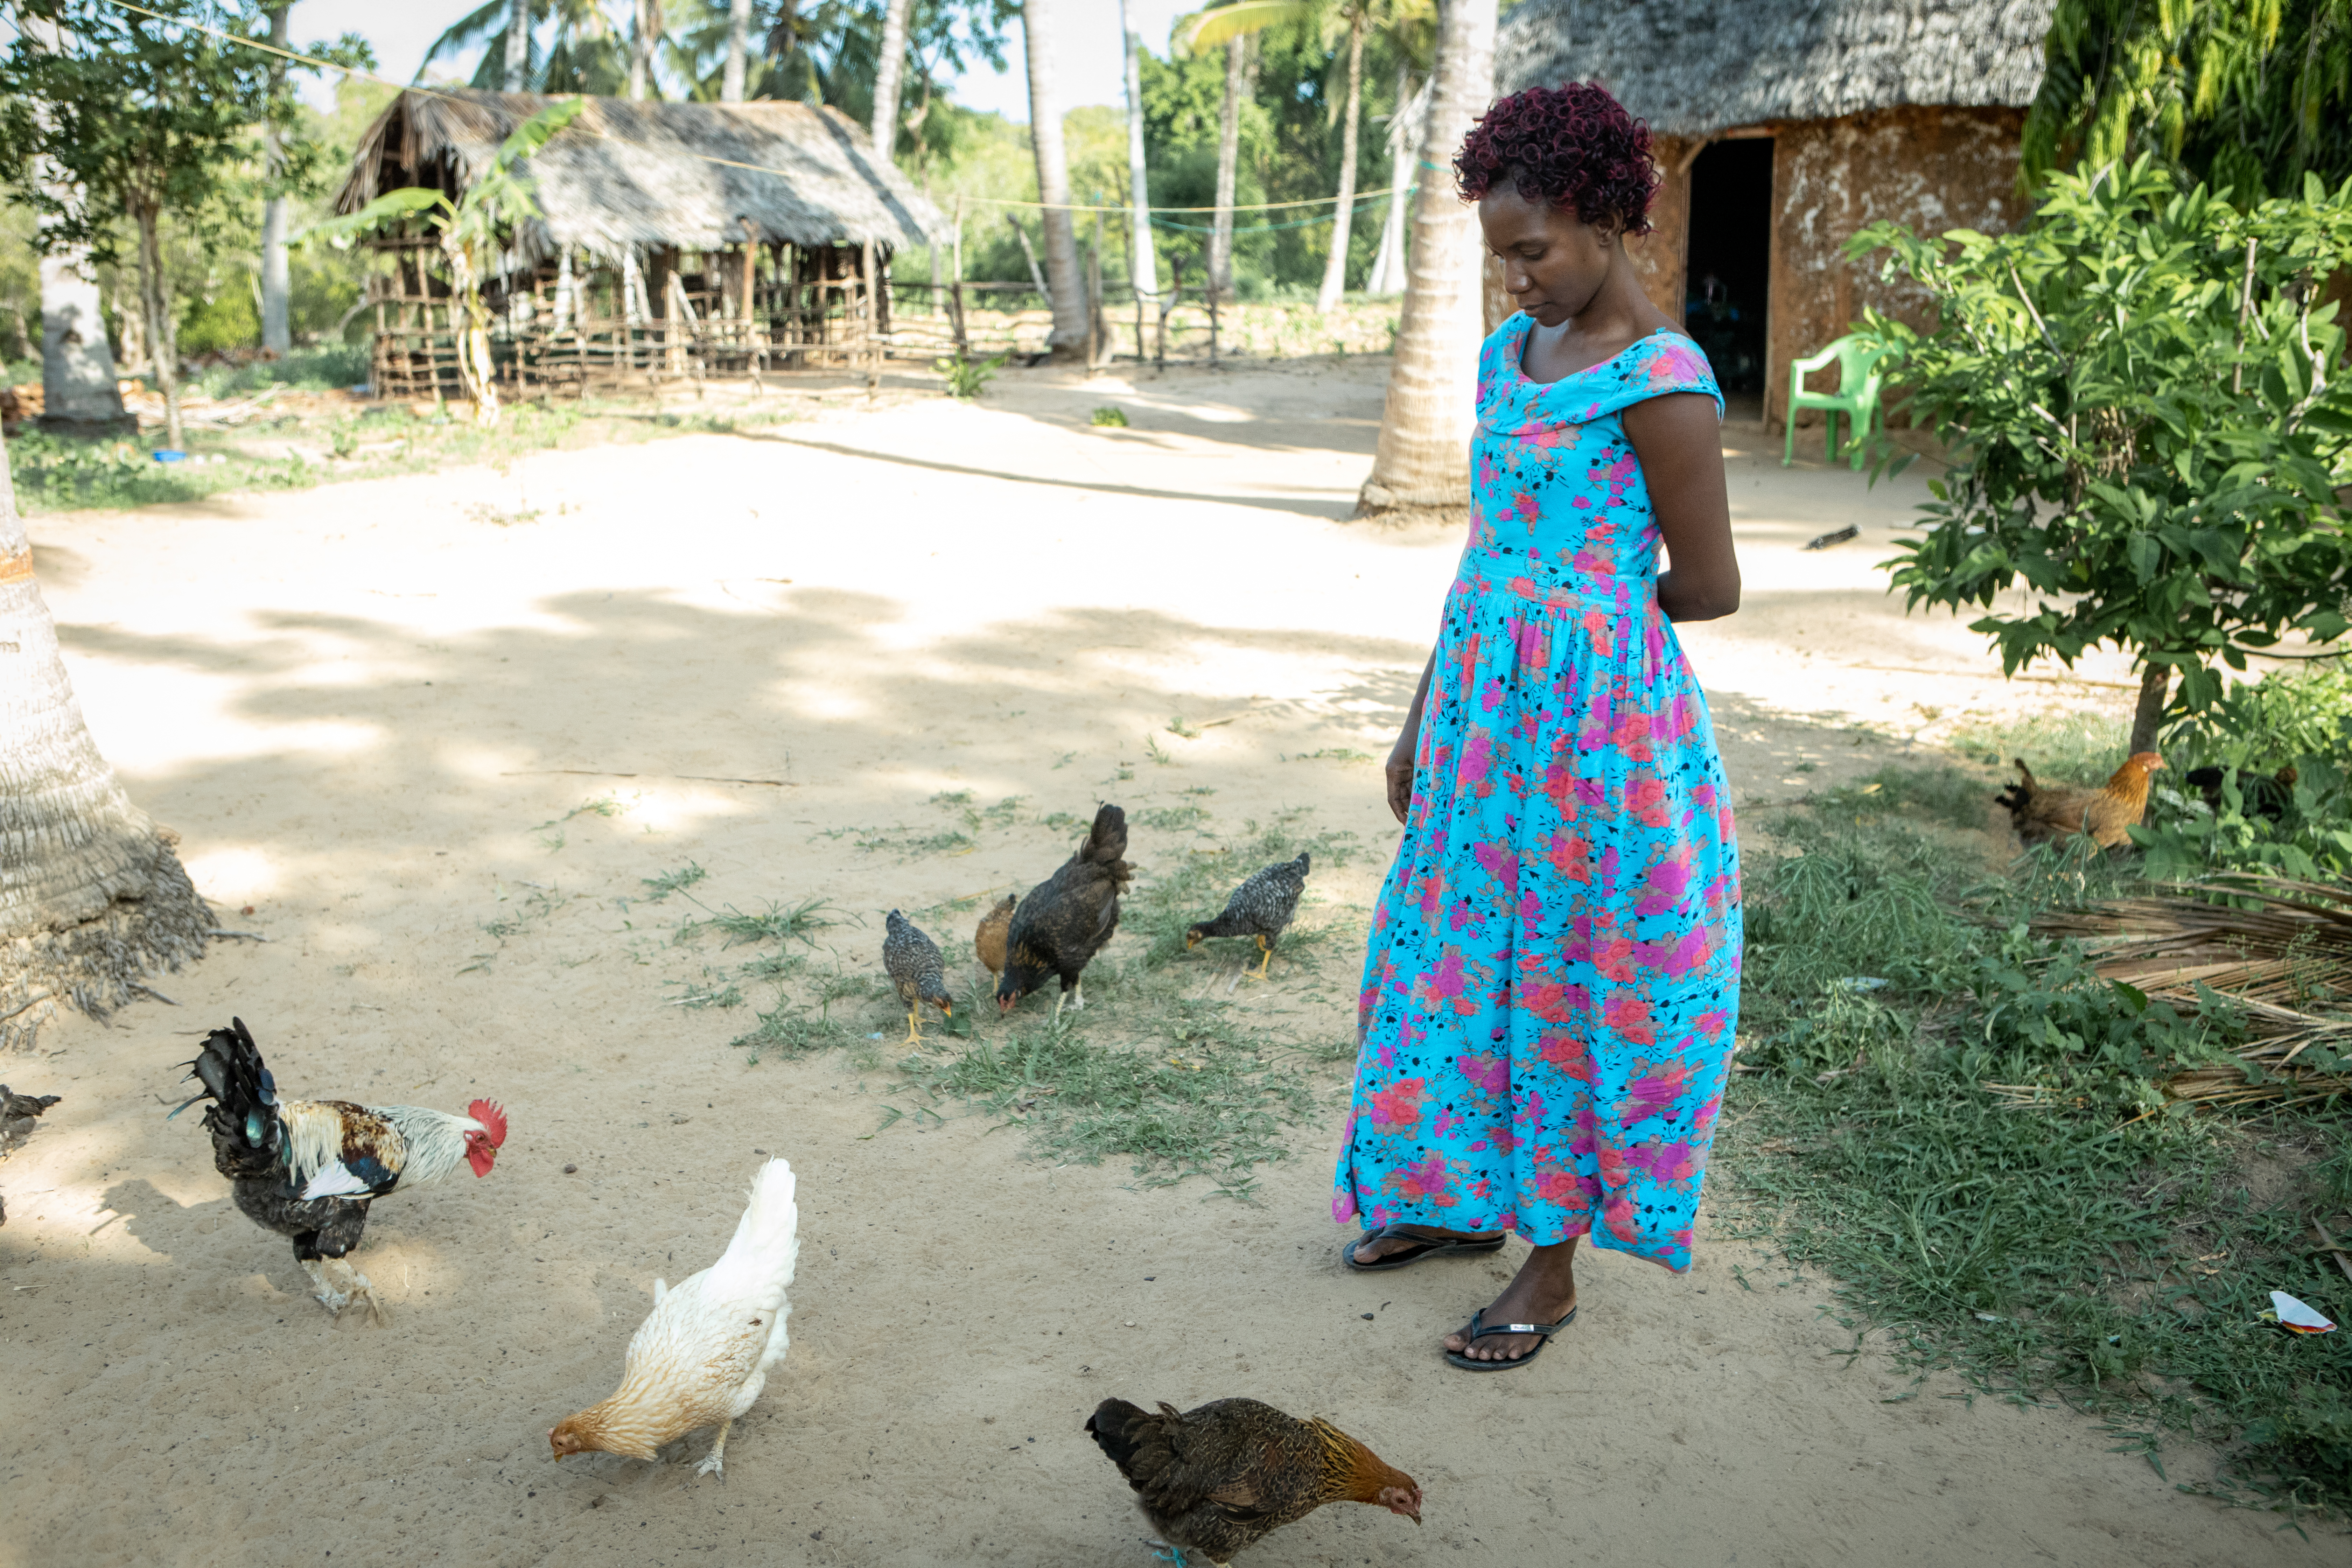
(1692,67)
(646,174)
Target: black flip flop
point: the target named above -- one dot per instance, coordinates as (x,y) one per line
(1478,1331)
(1425,1247)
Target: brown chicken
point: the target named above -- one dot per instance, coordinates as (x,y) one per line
(988,941)
(1215,1479)
(1066,919)
(2051,814)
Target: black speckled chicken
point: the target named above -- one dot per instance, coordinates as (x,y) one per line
(1260,907)
(1215,1479)
(913,960)
(1067,919)
(20,1114)
(989,939)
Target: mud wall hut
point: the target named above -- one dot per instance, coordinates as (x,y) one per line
(1783,126)
(675,240)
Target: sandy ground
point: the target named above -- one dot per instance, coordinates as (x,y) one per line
(368,711)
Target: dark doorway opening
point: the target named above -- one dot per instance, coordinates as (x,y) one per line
(1729,272)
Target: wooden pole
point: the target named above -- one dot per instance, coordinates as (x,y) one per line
(873,337)
(963,340)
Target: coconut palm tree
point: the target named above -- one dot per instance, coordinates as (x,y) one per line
(1142,265)
(889,66)
(1406,122)
(1063,281)
(1422,468)
(91,896)
(583,53)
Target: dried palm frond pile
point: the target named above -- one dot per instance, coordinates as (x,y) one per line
(2280,950)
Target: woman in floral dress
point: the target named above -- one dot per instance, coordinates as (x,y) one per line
(1553,977)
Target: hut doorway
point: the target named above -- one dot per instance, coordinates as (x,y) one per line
(1729,267)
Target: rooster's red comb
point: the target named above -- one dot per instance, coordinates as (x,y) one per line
(492,1115)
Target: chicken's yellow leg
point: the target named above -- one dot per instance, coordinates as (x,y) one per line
(715,1464)
(914,1031)
(1266,948)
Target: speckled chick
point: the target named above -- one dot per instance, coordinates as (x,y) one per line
(1260,907)
(913,960)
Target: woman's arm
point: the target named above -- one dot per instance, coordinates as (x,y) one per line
(1679,444)
(1400,768)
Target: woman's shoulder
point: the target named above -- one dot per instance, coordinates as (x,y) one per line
(1663,362)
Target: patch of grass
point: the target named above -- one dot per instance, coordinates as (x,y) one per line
(2066,1232)
(671,881)
(2080,745)
(1108,417)
(778,923)
(1331,754)
(1212,1106)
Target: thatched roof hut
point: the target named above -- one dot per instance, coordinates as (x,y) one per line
(1694,67)
(653,175)
(1783,126)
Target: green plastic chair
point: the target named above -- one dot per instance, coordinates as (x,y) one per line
(1860,359)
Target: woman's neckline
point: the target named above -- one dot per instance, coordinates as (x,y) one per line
(1528,335)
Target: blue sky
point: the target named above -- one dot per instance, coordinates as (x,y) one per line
(400,31)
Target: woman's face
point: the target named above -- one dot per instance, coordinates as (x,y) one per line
(1553,261)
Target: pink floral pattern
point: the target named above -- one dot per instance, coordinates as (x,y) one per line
(1553,978)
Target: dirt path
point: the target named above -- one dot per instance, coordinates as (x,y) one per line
(369,712)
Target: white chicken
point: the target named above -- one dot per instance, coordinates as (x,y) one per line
(702,1356)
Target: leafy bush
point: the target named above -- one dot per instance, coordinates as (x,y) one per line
(2138,393)
(966,375)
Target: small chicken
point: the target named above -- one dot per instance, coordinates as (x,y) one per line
(1067,919)
(2259,795)
(702,1356)
(2050,814)
(20,1114)
(1260,907)
(1218,1479)
(913,960)
(988,941)
(307,1168)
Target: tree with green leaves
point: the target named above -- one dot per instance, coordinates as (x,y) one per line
(2149,417)
(2248,94)
(152,116)
(583,53)
(470,231)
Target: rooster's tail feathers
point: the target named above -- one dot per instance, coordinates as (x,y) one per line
(243,1116)
(767,1245)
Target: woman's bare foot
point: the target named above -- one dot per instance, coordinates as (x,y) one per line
(1541,1292)
(1412,1237)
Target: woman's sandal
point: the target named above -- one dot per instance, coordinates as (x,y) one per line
(1478,1331)
(1425,1247)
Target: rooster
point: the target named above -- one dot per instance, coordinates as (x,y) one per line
(1219,1478)
(2051,814)
(1067,917)
(703,1356)
(307,1168)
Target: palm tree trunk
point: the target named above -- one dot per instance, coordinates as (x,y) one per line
(1229,157)
(643,37)
(1406,122)
(889,67)
(1065,284)
(1421,469)
(78,384)
(739,43)
(277,335)
(1335,267)
(155,300)
(1142,264)
(91,896)
(517,71)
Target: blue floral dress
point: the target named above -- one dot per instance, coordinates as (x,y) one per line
(1548,999)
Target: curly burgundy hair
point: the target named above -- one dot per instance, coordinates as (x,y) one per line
(1573,146)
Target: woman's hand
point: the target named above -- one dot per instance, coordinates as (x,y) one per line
(1408,744)
(1400,769)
